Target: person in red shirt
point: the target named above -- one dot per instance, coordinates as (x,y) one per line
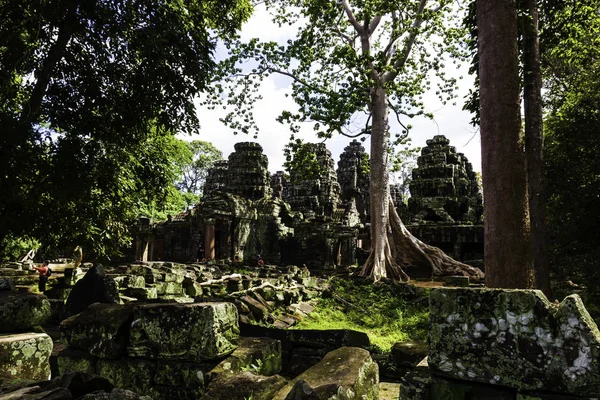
(43,271)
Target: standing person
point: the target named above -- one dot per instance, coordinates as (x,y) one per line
(43,271)
(260,262)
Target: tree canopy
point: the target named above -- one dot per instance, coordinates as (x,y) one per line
(89,94)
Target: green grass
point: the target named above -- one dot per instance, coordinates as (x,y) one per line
(384,311)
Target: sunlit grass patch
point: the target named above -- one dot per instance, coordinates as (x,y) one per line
(386,312)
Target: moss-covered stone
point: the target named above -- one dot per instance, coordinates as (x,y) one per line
(188,378)
(132,374)
(244,386)
(25,356)
(101,330)
(20,311)
(343,374)
(72,360)
(261,356)
(187,332)
(514,338)
(6,283)
(163,288)
(142,293)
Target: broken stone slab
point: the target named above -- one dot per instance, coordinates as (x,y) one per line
(191,377)
(419,384)
(20,311)
(332,338)
(101,330)
(128,373)
(70,359)
(514,338)
(243,386)
(408,354)
(142,293)
(6,283)
(348,372)
(261,356)
(129,281)
(94,287)
(187,332)
(456,281)
(259,310)
(192,289)
(165,288)
(25,356)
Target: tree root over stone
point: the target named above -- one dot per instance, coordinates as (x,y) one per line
(403,251)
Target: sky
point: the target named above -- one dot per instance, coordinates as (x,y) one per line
(449,120)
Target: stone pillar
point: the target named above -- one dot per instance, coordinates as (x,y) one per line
(209,238)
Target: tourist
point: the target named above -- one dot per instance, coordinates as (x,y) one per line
(200,253)
(260,262)
(43,271)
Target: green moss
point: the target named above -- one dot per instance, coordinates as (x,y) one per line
(383,311)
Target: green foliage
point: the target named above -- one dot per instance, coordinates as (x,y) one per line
(90,93)
(384,311)
(301,161)
(573,178)
(333,73)
(16,247)
(202,156)
(404,160)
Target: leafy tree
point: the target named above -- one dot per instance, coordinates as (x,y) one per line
(353,63)
(571,60)
(572,145)
(404,160)
(87,90)
(301,160)
(202,156)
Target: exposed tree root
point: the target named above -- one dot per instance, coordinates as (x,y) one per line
(403,251)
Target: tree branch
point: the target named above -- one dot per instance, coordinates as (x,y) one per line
(32,109)
(351,17)
(399,63)
(397,113)
(374,24)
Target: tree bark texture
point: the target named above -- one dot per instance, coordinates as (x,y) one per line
(506,216)
(393,247)
(532,98)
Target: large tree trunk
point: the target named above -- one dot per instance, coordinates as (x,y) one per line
(393,247)
(532,97)
(506,216)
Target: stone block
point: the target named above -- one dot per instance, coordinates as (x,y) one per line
(25,356)
(131,374)
(514,338)
(332,338)
(182,374)
(408,354)
(348,372)
(101,330)
(187,332)
(261,356)
(6,283)
(94,287)
(456,281)
(20,311)
(73,360)
(142,293)
(243,386)
(163,288)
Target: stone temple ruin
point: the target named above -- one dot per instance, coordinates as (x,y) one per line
(221,331)
(246,212)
